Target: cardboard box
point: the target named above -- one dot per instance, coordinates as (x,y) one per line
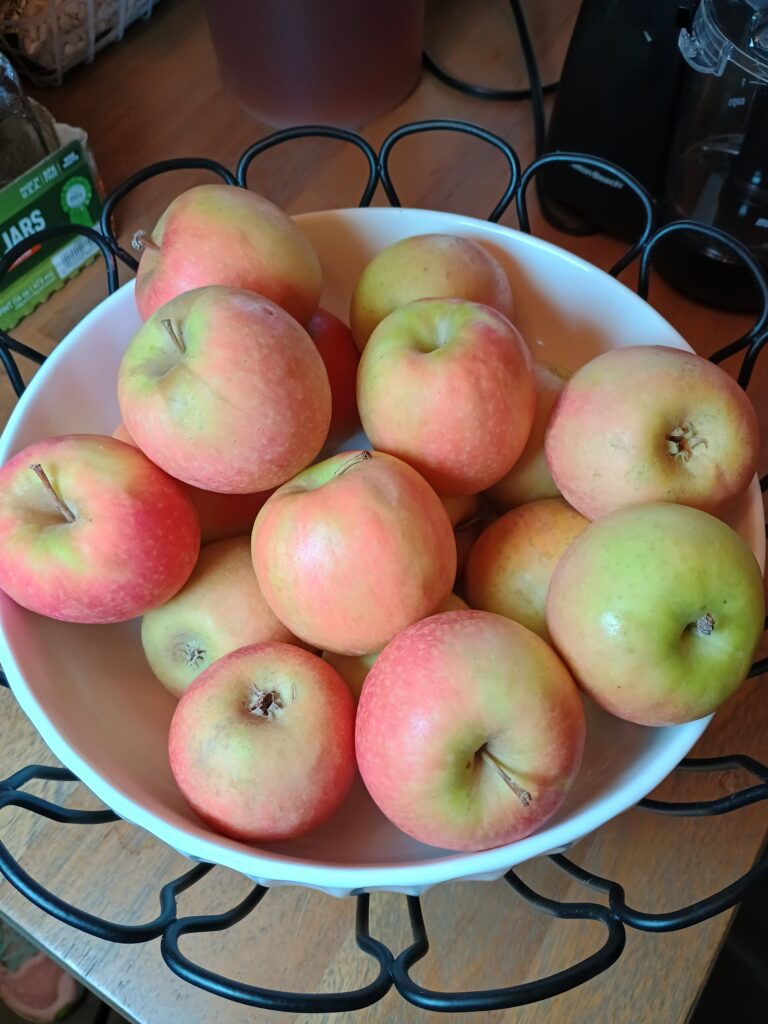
(63,188)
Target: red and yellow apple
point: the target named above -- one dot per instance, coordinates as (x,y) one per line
(657,609)
(353,550)
(92,531)
(469,732)
(530,478)
(448,386)
(220,234)
(512,561)
(219,609)
(220,515)
(432,266)
(262,743)
(336,345)
(650,423)
(225,391)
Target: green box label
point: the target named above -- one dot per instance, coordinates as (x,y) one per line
(58,190)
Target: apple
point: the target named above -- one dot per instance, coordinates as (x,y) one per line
(225,391)
(219,234)
(262,743)
(353,668)
(219,609)
(353,550)
(512,561)
(650,423)
(470,731)
(429,266)
(336,345)
(658,610)
(530,478)
(92,531)
(447,386)
(220,515)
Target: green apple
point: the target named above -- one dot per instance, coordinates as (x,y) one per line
(657,609)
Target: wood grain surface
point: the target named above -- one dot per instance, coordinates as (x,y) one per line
(157,95)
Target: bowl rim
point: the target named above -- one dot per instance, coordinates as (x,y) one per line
(339,878)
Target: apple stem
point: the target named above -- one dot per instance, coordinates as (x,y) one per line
(706,625)
(356,460)
(522,794)
(142,241)
(176,338)
(61,506)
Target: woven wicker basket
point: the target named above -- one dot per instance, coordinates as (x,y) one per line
(45,38)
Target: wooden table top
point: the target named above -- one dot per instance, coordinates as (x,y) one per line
(157,95)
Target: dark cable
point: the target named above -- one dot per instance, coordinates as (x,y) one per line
(535,93)
(481,92)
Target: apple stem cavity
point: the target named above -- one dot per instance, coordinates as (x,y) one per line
(522,794)
(356,460)
(176,336)
(142,241)
(682,440)
(61,505)
(264,703)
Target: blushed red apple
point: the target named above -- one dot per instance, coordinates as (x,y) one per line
(353,550)
(447,386)
(225,391)
(262,743)
(92,531)
(650,423)
(220,234)
(470,731)
(427,266)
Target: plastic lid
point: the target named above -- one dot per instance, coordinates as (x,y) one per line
(728,30)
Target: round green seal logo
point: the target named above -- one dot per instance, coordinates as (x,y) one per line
(75,197)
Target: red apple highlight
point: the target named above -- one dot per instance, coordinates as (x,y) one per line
(219,609)
(470,731)
(225,391)
(353,550)
(220,234)
(92,531)
(448,387)
(262,744)
(429,266)
(650,423)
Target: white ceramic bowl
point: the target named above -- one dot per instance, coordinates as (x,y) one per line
(92,697)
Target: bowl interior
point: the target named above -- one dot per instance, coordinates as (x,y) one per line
(89,690)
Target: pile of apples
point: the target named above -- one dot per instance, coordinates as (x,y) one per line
(318,631)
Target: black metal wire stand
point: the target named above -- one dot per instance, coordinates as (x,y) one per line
(395,969)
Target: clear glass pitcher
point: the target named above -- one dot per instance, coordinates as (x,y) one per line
(718,169)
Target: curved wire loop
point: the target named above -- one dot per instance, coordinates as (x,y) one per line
(463,127)
(603,167)
(754,339)
(308,132)
(183,163)
(273,999)
(8,344)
